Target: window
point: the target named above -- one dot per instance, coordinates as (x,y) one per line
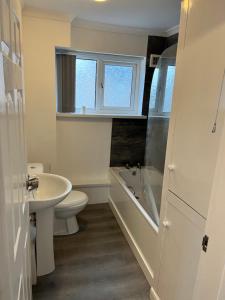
(118,86)
(167,103)
(106,84)
(162,89)
(154,87)
(85,82)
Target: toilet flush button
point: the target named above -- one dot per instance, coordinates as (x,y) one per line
(171,167)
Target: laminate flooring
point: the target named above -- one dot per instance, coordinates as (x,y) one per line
(94,264)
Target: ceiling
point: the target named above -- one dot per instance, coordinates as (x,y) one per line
(141,14)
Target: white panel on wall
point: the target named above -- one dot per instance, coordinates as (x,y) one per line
(96,194)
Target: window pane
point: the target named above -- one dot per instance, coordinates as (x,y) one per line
(169,89)
(85,83)
(154,88)
(118,86)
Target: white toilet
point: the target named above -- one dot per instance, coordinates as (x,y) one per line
(66,211)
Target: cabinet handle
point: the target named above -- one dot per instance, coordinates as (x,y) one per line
(171,167)
(166,224)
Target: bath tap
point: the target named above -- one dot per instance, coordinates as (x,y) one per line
(127,166)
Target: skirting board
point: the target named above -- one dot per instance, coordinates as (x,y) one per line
(132,243)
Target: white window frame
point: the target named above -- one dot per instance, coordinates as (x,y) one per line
(133,104)
(137,89)
(160,94)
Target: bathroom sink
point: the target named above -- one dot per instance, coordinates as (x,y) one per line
(52,189)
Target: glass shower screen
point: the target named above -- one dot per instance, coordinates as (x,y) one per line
(157,129)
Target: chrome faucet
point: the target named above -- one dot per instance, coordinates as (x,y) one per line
(32,183)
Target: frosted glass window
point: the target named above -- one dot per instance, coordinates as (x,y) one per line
(99,83)
(86,70)
(118,86)
(154,88)
(169,89)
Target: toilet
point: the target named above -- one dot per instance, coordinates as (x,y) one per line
(66,211)
(65,221)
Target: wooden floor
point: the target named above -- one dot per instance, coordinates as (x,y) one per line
(94,264)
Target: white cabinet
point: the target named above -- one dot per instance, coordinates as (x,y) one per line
(199,92)
(195,139)
(181,251)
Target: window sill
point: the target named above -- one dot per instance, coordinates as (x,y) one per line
(103,116)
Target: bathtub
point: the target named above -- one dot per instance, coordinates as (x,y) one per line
(145,186)
(135,201)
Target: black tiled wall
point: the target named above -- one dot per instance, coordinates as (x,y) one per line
(128,141)
(129,135)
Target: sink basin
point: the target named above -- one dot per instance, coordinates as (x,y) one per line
(52,190)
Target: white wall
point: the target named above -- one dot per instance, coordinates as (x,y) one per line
(86,39)
(83,155)
(83,145)
(76,148)
(40,36)
(83,149)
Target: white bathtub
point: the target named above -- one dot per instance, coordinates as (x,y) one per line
(145,185)
(137,214)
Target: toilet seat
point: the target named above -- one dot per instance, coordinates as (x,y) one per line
(74,199)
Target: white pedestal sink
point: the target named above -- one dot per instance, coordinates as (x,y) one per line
(52,190)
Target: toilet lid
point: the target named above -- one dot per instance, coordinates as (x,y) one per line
(75,198)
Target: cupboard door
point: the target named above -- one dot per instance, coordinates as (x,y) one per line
(181,251)
(5,25)
(199,97)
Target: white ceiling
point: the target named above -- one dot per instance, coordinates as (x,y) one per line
(144,14)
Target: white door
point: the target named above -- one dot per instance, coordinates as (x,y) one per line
(210,282)
(15,283)
(181,251)
(198,104)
